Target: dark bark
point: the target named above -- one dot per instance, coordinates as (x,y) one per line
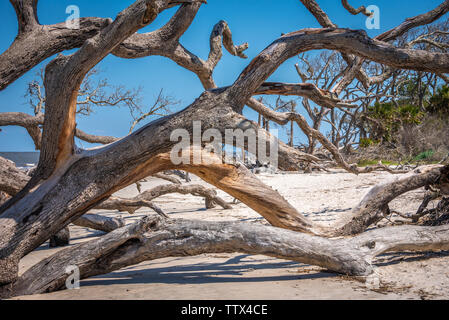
(99,222)
(61,239)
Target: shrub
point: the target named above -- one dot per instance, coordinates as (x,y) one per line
(366,142)
(393,118)
(439,103)
(424,155)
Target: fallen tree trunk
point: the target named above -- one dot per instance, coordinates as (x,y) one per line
(374,206)
(68,182)
(371,209)
(13,180)
(62,238)
(210,195)
(99,222)
(92,221)
(129,205)
(154,238)
(245,186)
(145,198)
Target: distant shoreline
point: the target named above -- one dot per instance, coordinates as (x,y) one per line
(25,159)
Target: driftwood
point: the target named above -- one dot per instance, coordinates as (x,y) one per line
(13,180)
(99,222)
(154,238)
(145,198)
(68,181)
(209,195)
(129,205)
(371,209)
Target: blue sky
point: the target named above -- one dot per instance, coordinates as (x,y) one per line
(257,22)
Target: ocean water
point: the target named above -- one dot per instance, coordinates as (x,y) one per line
(22,159)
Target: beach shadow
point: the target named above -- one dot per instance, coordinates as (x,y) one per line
(398,257)
(235,269)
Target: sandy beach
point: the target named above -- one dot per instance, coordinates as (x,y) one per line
(320,196)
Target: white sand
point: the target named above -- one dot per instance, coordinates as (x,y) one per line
(321,197)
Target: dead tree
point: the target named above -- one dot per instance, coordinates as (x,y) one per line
(14,180)
(69,181)
(93,94)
